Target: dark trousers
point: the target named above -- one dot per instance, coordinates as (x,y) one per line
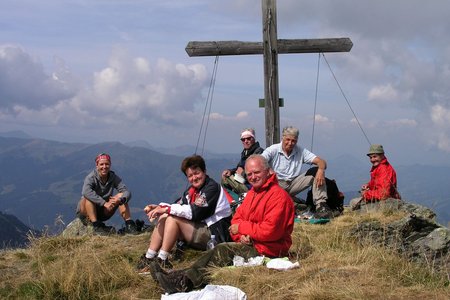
(222,255)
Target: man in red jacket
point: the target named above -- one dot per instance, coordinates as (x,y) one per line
(262,225)
(383,180)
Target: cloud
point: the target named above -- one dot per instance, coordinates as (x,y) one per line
(24,82)
(321,119)
(242,115)
(127,91)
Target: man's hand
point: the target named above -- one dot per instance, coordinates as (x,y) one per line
(240,171)
(320,177)
(234,229)
(246,239)
(226,173)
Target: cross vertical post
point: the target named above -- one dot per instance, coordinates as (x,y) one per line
(269,48)
(271,94)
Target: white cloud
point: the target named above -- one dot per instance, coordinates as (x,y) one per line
(321,119)
(384,93)
(403,122)
(129,90)
(440,116)
(24,82)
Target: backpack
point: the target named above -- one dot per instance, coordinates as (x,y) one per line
(335,198)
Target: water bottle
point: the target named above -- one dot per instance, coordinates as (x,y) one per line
(212,242)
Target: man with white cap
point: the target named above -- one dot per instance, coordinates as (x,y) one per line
(383,180)
(235,179)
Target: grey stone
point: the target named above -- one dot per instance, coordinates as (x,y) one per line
(77,228)
(418,238)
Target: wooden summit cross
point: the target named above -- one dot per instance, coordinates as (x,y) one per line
(270,48)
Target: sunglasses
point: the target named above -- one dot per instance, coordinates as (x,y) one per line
(247,138)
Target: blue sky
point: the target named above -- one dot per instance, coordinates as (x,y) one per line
(116,70)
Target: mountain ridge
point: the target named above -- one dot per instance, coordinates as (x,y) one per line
(41,179)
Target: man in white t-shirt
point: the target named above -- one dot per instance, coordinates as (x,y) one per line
(286,159)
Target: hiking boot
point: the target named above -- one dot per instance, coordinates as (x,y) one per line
(101,229)
(174,282)
(143,265)
(159,266)
(323,211)
(129,228)
(179,251)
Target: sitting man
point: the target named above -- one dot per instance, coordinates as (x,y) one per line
(98,203)
(262,225)
(383,180)
(286,159)
(235,179)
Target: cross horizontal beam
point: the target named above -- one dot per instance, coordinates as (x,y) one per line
(213,48)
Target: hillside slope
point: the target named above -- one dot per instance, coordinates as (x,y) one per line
(332,266)
(13,233)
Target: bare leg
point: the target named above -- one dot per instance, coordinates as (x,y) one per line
(125,211)
(88,209)
(158,233)
(175,228)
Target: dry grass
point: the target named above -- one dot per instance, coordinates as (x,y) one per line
(332,266)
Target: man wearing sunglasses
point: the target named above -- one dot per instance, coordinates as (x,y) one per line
(235,179)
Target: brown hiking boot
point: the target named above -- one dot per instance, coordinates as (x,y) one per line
(159,266)
(101,229)
(323,211)
(174,282)
(143,265)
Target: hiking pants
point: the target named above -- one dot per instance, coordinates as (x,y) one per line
(222,255)
(302,182)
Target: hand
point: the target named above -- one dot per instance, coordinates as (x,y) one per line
(240,171)
(320,177)
(234,229)
(149,208)
(109,206)
(226,173)
(156,212)
(115,200)
(246,239)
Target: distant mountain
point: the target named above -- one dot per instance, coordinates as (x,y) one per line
(184,151)
(15,134)
(41,180)
(13,233)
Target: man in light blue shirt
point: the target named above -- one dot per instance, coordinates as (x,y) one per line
(286,159)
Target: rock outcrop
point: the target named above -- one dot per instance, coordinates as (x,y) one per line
(417,236)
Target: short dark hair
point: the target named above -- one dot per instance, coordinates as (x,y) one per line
(193,162)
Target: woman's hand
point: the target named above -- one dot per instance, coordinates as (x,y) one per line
(156,212)
(149,208)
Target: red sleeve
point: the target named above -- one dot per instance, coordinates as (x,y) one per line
(238,217)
